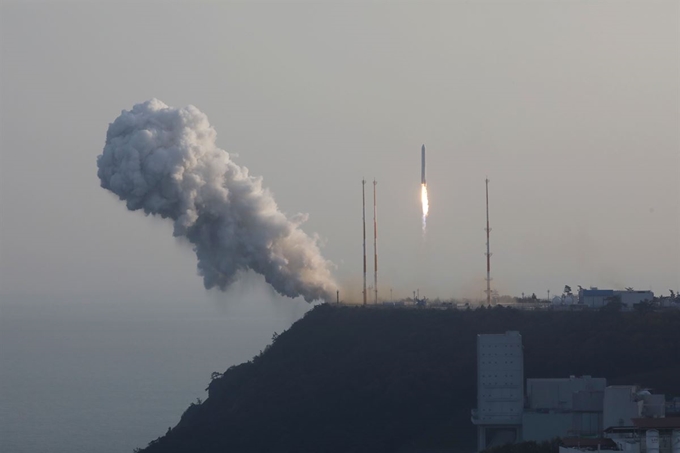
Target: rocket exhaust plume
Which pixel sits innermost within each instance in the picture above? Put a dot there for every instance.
(423, 189)
(425, 203)
(164, 161)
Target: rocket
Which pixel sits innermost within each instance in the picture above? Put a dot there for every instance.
(422, 170)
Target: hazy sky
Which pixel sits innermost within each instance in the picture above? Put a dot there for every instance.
(570, 108)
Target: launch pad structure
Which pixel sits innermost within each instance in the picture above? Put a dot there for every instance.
(423, 182)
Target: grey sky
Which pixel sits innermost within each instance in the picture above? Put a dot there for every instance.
(572, 109)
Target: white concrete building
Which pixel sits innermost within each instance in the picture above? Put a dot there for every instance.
(648, 435)
(561, 393)
(598, 298)
(500, 389)
(630, 298)
(621, 405)
(636, 420)
(567, 407)
(579, 409)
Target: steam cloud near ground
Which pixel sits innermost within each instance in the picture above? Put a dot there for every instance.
(164, 161)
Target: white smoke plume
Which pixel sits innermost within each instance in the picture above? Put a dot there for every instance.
(164, 161)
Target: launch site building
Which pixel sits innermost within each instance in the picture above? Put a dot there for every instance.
(583, 411)
(500, 388)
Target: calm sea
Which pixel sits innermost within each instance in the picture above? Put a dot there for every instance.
(109, 376)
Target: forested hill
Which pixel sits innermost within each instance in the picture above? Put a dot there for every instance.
(346, 379)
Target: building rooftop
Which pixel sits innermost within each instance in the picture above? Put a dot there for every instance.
(598, 292)
(642, 424)
(603, 443)
(664, 422)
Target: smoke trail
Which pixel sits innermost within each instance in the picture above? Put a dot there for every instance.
(164, 161)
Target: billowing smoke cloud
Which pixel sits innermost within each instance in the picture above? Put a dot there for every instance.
(164, 161)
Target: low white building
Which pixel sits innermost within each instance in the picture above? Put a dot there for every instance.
(621, 405)
(648, 435)
(566, 407)
(625, 403)
(598, 298)
(579, 409)
(636, 420)
(630, 298)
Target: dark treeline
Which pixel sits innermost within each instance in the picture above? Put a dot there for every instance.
(346, 379)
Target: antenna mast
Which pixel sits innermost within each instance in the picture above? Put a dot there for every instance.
(375, 242)
(488, 252)
(363, 199)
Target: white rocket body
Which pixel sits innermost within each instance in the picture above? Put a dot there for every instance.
(422, 174)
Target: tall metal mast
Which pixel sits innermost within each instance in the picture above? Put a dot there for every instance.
(363, 199)
(488, 251)
(375, 241)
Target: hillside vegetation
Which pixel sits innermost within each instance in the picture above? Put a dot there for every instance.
(352, 379)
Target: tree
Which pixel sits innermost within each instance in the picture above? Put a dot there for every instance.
(390, 373)
(613, 306)
(644, 307)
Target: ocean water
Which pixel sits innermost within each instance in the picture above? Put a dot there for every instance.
(83, 374)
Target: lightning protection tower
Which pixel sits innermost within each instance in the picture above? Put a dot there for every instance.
(375, 240)
(363, 199)
(488, 250)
